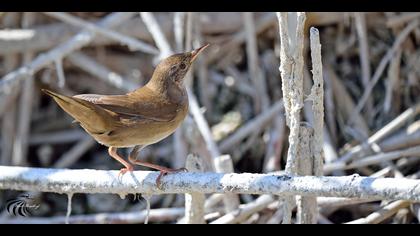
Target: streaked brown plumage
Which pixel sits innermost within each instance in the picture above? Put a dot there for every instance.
(139, 118)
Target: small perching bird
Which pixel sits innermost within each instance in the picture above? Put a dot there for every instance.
(139, 118)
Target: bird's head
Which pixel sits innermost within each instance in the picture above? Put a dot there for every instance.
(172, 70)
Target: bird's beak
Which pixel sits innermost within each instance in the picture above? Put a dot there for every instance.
(195, 52)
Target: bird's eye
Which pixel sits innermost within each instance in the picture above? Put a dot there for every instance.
(182, 66)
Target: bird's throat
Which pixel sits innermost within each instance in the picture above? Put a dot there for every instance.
(169, 90)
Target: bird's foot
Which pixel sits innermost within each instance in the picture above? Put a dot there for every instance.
(167, 171)
(124, 170)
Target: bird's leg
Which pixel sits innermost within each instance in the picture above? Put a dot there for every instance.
(128, 167)
(163, 170)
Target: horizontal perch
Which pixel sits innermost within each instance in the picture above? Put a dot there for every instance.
(100, 181)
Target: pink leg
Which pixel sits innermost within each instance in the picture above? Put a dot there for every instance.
(128, 167)
(163, 170)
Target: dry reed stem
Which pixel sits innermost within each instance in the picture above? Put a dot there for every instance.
(291, 70)
(9, 82)
(307, 208)
(101, 72)
(20, 145)
(157, 33)
(384, 132)
(245, 211)
(361, 29)
(317, 97)
(194, 202)
(383, 214)
(393, 80)
(377, 159)
(401, 19)
(254, 125)
(381, 67)
(261, 100)
(132, 43)
(345, 105)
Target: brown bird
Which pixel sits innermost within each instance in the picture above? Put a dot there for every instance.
(139, 118)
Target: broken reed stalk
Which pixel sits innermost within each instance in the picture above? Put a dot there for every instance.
(291, 70)
(310, 144)
(194, 202)
(224, 164)
(285, 72)
(312, 139)
(307, 208)
(317, 97)
(311, 154)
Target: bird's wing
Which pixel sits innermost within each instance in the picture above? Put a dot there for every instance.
(93, 118)
(140, 108)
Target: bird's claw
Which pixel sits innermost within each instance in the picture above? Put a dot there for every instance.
(165, 172)
(181, 170)
(123, 171)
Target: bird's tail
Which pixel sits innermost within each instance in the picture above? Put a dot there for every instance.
(90, 116)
